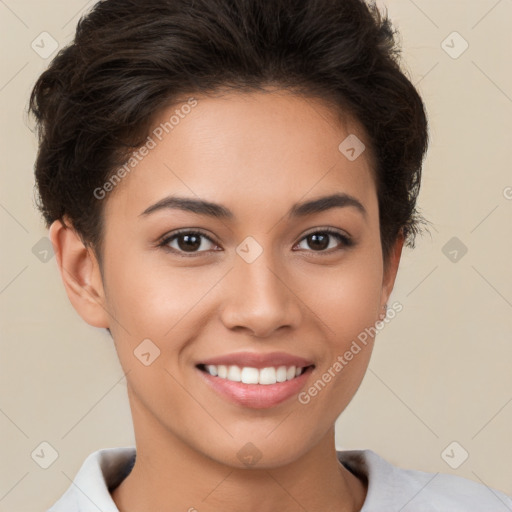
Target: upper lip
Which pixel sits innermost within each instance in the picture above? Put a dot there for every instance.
(258, 360)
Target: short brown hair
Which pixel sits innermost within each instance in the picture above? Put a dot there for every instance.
(132, 58)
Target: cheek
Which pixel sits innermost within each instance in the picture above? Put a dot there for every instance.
(346, 297)
(347, 301)
(150, 299)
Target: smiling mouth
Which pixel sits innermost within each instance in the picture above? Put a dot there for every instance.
(256, 376)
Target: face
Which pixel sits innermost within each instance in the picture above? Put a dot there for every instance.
(251, 278)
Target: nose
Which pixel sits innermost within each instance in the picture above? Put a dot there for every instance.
(258, 298)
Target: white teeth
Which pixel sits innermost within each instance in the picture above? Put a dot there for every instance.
(281, 373)
(234, 374)
(267, 376)
(248, 375)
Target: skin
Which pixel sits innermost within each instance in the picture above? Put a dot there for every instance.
(256, 154)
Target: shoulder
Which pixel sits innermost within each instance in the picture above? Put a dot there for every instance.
(100, 472)
(394, 488)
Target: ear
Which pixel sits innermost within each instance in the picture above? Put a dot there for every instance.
(390, 271)
(80, 274)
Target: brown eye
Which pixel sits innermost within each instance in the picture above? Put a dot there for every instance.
(321, 241)
(188, 242)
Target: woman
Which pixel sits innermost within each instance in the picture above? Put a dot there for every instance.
(228, 186)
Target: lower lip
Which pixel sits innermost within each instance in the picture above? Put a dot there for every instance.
(256, 396)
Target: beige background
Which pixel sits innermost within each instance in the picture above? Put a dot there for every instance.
(441, 369)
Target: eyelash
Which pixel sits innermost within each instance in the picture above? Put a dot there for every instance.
(345, 241)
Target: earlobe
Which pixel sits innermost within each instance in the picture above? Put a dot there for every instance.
(80, 274)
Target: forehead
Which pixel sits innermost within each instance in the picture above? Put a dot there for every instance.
(261, 149)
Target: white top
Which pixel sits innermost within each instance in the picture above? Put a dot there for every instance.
(390, 488)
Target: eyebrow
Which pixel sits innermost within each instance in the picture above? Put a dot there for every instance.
(201, 207)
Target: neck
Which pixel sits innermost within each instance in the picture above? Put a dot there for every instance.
(169, 475)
